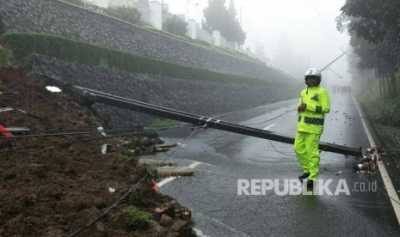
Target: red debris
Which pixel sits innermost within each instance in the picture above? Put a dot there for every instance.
(5, 132)
(155, 187)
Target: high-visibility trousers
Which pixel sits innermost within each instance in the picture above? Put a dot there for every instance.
(306, 146)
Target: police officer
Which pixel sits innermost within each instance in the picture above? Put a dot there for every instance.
(313, 104)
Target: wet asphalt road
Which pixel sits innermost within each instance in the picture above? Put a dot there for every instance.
(225, 157)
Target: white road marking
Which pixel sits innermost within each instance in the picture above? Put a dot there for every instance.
(169, 180)
(194, 165)
(165, 181)
(394, 198)
(7, 109)
(199, 233)
(269, 126)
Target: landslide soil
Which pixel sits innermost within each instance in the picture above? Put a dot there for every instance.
(52, 186)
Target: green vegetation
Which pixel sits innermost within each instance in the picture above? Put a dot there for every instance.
(2, 30)
(135, 218)
(384, 111)
(5, 57)
(24, 45)
(380, 100)
(163, 123)
(126, 154)
(374, 29)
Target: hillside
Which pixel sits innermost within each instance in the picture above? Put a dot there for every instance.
(53, 185)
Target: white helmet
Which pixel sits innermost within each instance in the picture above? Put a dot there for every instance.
(313, 72)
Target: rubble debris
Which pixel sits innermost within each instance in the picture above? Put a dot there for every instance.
(156, 163)
(52, 185)
(174, 171)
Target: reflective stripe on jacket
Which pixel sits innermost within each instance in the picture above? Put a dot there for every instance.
(317, 104)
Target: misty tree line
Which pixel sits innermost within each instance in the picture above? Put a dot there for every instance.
(217, 17)
(172, 24)
(374, 27)
(225, 20)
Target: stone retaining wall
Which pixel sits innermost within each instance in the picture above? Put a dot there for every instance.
(60, 18)
(201, 97)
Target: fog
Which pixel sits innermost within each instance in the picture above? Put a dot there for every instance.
(295, 34)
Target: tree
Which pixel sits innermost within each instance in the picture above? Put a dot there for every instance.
(215, 15)
(232, 8)
(218, 17)
(374, 27)
(128, 14)
(175, 25)
(2, 27)
(372, 19)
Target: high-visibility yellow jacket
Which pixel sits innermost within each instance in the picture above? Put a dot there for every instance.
(317, 104)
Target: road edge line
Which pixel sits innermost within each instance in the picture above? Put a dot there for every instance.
(387, 181)
(199, 233)
(269, 127)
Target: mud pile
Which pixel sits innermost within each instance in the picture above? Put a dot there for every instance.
(54, 185)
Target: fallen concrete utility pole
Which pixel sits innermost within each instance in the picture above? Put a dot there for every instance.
(18, 130)
(164, 168)
(156, 163)
(207, 122)
(164, 172)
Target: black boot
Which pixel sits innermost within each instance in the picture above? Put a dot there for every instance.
(303, 176)
(310, 185)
